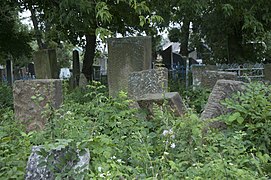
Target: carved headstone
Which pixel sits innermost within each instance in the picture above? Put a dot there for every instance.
(126, 55)
(36, 171)
(33, 99)
(223, 89)
(173, 100)
(45, 63)
(147, 82)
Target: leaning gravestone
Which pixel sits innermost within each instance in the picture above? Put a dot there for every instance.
(126, 55)
(172, 99)
(33, 100)
(223, 89)
(147, 82)
(36, 171)
(45, 63)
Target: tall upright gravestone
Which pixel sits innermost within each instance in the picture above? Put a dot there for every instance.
(75, 68)
(9, 70)
(45, 63)
(126, 55)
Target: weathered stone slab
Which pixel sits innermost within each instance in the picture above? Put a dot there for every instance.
(45, 63)
(83, 82)
(147, 82)
(33, 99)
(126, 55)
(204, 77)
(37, 171)
(267, 72)
(173, 99)
(223, 89)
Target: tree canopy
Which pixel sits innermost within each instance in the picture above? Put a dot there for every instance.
(14, 37)
(232, 30)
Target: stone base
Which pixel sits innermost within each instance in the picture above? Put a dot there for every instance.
(173, 100)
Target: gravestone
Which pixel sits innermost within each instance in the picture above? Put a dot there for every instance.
(126, 55)
(147, 82)
(75, 68)
(9, 70)
(223, 89)
(267, 72)
(45, 64)
(35, 171)
(173, 102)
(206, 76)
(33, 100)
(83, 82)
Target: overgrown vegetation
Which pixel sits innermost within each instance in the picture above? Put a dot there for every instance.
(123, 145)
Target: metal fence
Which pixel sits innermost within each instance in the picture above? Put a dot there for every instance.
(251, 71)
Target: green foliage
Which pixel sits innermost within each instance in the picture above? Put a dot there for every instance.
(124, 145)
(194, 97)
(14, 36)
(174, 35)
(6, 98)
(252, 114)
(15, 147)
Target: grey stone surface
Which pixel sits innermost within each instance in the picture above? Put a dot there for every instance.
(37, 171)
(126, 55)
(32, 100)
(83, 82)
(45, 63)
(205, 77)
(267, 72)
(223, 89)
(173, 102)
(147, 82)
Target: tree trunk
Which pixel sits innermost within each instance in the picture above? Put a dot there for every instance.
(87, 69)
(185, 37)
(36, 28)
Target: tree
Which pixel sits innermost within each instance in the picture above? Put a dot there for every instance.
(81, 21)
(230, 27)
(14, 37)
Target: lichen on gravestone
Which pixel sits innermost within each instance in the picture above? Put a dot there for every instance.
(40, 167)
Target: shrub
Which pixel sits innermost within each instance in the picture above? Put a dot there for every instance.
(6, 98)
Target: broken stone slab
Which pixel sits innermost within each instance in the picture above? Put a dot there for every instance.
(223, 89)
(173, 102)
(37, 170)
(147, 82)
(33, 100)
